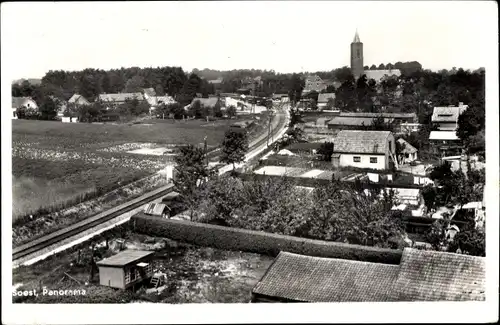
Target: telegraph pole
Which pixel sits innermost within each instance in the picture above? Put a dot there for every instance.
(205, 147)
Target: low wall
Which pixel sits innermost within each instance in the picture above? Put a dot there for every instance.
(236, 239)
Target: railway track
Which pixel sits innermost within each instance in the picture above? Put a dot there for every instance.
(60, 235)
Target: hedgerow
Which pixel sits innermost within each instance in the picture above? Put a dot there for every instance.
(227, 238)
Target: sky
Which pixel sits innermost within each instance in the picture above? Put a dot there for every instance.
(285, 36)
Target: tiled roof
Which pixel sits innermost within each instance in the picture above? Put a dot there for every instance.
(431, 276)
(323, 98)
(121, 97)
(447, 114)
(315, 279)
(420, 276)
(377, 75)
(407, 148)
(125, 257)
(354, 141)
(76, 98)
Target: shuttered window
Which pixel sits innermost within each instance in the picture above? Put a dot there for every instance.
(373, 160)
(356, 159)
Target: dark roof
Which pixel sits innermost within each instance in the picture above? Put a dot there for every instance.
(355, 141)
(385, 115)
(354, 121)
(316, 279)
(431, 276)
(124, 258)
(304, 146)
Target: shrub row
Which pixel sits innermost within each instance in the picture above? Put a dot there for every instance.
(257, 242)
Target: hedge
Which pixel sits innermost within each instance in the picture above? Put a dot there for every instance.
(235, 239)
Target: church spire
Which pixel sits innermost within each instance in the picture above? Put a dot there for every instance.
(356, 37)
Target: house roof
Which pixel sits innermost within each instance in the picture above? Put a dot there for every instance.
(207, 102)
(20, 101)
(157, 100)
(385, 115)
(354, 121)
(316, 279)
(443, 135)
(447, 114)
(323, 98)
(354, 141)
(420, 276)
(121, 97)
(304, 146)
(377, 75)
(78, 98)
(431, 276)
(216, 81)
(149, 91)
(124, 257)
(407, 147)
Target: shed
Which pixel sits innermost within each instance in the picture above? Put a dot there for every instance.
(157, 209)
(125, 269)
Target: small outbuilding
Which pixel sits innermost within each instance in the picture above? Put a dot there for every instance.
(126, 269)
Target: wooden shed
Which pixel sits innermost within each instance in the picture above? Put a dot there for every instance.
(126, 269)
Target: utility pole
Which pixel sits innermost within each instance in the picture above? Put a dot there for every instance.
(205, 147)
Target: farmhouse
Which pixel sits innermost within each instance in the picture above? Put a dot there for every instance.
(78, 100)
(446, 142)
(121, 98)
(304, 148)
(314, 83)
(408, 152)
(420, 276)
(18, 102)
(126, 269)
(206, 102)
(339, 123)
(148, 92)
(364, 149)
(324, 98)
(446, 118)
(398, 117)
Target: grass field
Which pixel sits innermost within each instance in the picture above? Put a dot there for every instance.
(54, 163)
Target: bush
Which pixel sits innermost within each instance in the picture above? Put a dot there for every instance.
(256, 241)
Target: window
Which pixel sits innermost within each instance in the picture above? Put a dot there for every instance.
(133, 274)
(373, 160)
(356, 159)
(357, 53)
(390, 146)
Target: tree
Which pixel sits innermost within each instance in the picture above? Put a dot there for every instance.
(326, 151)
(196, 109)
(346, 97)
(134, 84)
(48, 108)
(234, 147)
(470, 241)
(231, 111)
(330, 105)
(373, 67)
(191, 172)
(295, 88)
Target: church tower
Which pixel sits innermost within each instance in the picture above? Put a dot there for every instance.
(357, 57)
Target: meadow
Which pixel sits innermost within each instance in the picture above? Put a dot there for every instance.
(57, 164)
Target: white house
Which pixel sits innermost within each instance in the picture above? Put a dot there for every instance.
(364, 149)
(446, 118)
(408, 152)
(324, 98)
(18, 102)
(78, 99)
